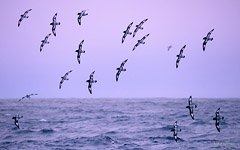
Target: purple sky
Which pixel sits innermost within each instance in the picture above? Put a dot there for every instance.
(151, 68)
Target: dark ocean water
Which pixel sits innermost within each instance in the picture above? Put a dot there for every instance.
(124, 124)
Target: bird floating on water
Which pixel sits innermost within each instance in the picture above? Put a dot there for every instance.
(120, 69)
(139, 26)
(206, 39)
(23, 16)
(180, 56)
(54, 24)
(63, 78)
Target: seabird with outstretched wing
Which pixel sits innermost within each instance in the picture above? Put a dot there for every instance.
(217, 119)
(180, 56)
(63, 78)
(28, 96)
(190, 106)
(45, 41)
(126, 32)
(206, 39)
(54, 24)
(23, 16)
(139, 26)
(120, 69)
(140, 42)
(90, 82)
(175, 131)
(79, 51)
(80, 15)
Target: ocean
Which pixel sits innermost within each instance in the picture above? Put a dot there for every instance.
(118, 124)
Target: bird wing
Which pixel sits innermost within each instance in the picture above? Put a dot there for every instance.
(21, 98)
(204, 45)
(142, 22)
(66, 74)
(135, 46)
(28, 11)
(123, 63)
(54, 18)
(60, 84)
(144, 37)
(210, 32)
(124, 36)
(78, 58)
(181, 51)
(91, 75)
(41, 47)
(135, 31)
(80, 45)
(79, 19)
(19, 21)
(33, 94)
(117, 75)
(48, 36)
(177, 62)
(90, 87)
(129, 26)
(54, 29)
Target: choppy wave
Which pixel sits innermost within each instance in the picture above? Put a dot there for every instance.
(132, 124)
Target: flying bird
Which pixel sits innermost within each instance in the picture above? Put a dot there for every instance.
(217, 119)
(80, 15)
(206, 39)
(190, 106)
(120, 69)
(16, 118)
(90, 82)
(169, 47)
(28, 96)
(126, 32)
(180, 56)
(54, 24)
(63, 78)
(175, 131)
(140, 42)
(23, 16)
(45, 41)
(139, 26)
(79, 51)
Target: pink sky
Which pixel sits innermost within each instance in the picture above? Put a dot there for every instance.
(151, 68)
